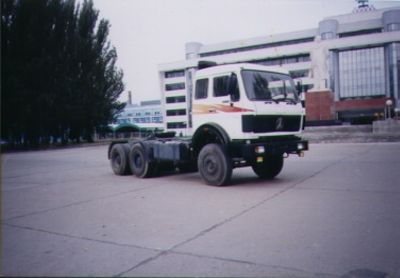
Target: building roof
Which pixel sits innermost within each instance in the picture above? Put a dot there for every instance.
(291, 41)
(237, 67)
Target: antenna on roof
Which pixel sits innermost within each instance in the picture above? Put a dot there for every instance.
(363, 6)
(362, 3)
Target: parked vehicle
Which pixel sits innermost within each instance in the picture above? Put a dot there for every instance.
(241, 115)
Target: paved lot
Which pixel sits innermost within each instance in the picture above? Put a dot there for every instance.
(336, 210)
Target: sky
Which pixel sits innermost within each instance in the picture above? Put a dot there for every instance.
(147, 33)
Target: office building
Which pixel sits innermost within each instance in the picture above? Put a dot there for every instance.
(349, 65)
(146, 115)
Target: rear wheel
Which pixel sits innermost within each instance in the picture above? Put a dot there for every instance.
(214, 165)
(140, 165)
(119, 159)
(270, 167)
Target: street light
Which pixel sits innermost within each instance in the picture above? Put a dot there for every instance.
(389, 103)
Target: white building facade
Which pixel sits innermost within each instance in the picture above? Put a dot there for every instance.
(147, 114)
(354, 56)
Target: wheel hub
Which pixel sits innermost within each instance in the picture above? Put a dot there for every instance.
(138, 161)
(117, 160)
(211, 165)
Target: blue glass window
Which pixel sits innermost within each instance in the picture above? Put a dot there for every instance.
(362, 73)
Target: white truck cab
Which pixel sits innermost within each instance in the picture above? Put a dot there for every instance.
(249, 101)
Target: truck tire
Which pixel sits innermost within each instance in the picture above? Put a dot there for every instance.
(214, 165)
(140, 165)
(269, 168)
(119, 159)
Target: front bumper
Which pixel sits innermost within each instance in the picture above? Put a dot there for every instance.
(252, 151)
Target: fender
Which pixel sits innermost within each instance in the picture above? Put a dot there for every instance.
(209, 133)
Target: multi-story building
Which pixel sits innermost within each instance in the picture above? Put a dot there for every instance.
(146, 115)
(350, 62)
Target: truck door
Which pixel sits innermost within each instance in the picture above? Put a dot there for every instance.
(214, 103)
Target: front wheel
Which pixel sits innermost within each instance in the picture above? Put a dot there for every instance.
(214, 165)
(270, 167)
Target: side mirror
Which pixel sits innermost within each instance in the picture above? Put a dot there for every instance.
(233, 87)
(299, 87)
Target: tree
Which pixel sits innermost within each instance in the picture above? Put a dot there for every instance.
(59, 74)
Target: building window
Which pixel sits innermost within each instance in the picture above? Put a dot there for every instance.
(298, 73)
(175, 73)
(254, 47)
(174, 86)
(201, 88)
(393, 27)
(221, 86)
(156, 119)
(176, 112)
(362, 73)
(303, 58)
(359, 33)
(175, 99)
(123, 121)
(176, 125)
(327, 36)
(284, 60)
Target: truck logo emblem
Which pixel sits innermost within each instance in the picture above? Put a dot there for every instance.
(279, 123)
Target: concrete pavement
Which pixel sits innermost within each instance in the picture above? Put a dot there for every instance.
(335, 211)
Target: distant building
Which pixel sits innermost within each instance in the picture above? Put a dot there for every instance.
(350, 62)
(146, 115)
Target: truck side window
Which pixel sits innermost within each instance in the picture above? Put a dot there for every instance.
(221, 86)
(201, 88)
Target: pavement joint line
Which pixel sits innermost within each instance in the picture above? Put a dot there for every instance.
(162, 253)
(142, 263)
(171, 250)
(80, 237)
(238, 261)
(78, 203)
(223, 222)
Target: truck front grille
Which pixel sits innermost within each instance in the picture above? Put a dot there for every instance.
(270, 123)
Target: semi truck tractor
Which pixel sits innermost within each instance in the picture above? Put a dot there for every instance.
(240, 115)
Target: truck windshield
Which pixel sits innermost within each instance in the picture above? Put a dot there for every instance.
(263, 85)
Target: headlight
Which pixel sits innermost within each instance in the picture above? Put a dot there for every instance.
(260, 149)
(300, 146)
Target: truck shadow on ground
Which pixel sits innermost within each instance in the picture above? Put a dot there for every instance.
(238, 179)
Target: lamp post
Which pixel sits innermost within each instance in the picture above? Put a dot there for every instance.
(389, 103)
